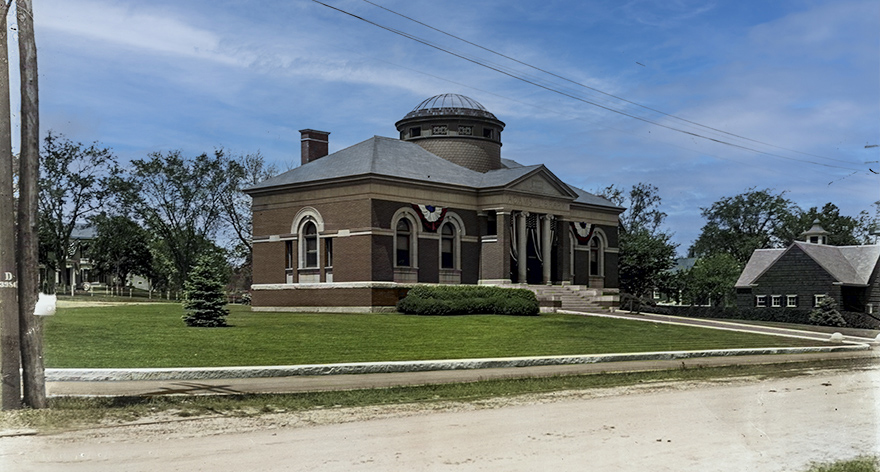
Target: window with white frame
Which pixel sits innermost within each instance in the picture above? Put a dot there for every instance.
(309, 246)
(403, 243)
(761, 301)
(595, 256)
(328, 253)
(288, 254)
(791, 301)
(776, 301)
(447, 246)
(817, 299)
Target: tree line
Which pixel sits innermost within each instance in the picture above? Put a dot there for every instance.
(155, 217)
(159, 215)
(734, 227)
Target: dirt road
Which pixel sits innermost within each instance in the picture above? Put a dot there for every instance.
(771, 425)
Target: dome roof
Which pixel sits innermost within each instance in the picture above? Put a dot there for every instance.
(449, 104)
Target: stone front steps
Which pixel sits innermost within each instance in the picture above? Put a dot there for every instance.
(578, 298)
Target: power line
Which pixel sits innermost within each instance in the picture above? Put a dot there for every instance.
(557, 112)
(595, 89)
(498, 69)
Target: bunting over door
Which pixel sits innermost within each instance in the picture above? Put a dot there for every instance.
(431, 216)
(583, 232)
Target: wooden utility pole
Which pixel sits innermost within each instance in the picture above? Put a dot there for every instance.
(31, 327)
(10, 351)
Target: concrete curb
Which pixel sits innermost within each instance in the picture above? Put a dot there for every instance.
(95, 375)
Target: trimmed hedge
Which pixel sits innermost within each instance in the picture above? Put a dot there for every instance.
(781, 315)
(447, 300)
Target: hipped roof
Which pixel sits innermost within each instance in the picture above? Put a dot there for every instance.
(848, 265)
(401, 159)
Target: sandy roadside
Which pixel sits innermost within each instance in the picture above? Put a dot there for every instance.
(724, 425)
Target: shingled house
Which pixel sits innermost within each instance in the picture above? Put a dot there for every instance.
(801, 275)
(351, 231)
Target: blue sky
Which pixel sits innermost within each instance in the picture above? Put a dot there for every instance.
(801, 76)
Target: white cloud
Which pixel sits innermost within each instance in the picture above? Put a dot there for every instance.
(128, 26)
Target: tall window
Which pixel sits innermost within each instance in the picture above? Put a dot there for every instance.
(288, 254)
(310, 245)
(403, 238)
(491, 223)
(595, 256)
(447, 246)
(328, 253)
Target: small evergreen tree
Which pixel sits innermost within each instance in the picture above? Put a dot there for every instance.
(826, 314)
(204, 297)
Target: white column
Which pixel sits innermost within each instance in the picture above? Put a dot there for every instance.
(521, 247)
(545, 246)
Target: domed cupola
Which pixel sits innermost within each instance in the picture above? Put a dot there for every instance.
(456, 128)
(816, 234)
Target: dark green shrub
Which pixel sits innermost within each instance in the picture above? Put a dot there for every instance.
(781, 315)
(826, 314)
(860, 320)
(445, 300)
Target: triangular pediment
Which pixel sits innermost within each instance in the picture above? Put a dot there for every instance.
(542, 182)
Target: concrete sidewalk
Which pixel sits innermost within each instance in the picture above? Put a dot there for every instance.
(729, 326)
(311, 383)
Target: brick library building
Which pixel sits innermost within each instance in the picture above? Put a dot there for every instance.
(352, 231)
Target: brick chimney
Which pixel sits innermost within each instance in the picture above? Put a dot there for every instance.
(314, 144)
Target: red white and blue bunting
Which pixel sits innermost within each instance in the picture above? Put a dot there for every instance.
(583, 232)
(431, 216)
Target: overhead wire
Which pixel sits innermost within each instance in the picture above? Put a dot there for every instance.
(580, 84)
(535, 82)
(557, 112)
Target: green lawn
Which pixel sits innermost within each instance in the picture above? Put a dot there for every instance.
(153, 335)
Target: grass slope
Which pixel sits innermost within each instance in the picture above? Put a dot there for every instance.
(153, 335)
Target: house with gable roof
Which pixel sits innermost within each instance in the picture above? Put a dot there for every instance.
(806, 272)
(353, 230)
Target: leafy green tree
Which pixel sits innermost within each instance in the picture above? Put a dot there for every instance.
(243, 171)
(121, 248)
(74, 184)
(843, 230)
(646, 253)
(643, 260)
(642, 204)
(204, 296)
(740, 224)
(712, 280)
(179, 200)
(672, 284)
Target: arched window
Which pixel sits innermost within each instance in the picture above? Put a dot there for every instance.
(595, 256)
(309, 245)
(403, 243)
(447, 246)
